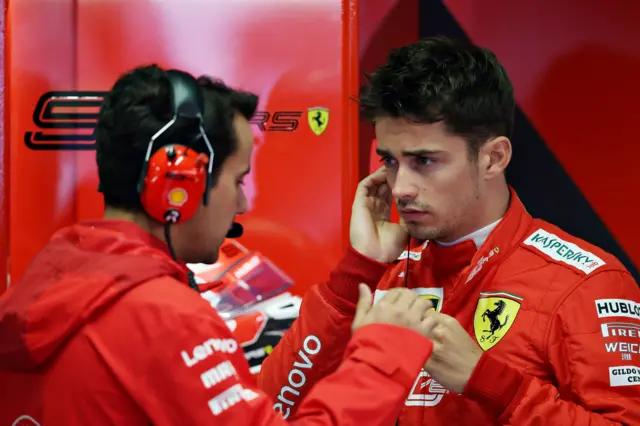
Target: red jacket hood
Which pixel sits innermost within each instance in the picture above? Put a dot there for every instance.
(83, 270)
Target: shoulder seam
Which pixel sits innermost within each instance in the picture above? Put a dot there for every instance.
(569, 292)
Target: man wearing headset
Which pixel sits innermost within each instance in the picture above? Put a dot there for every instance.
(105, 327)
(531, 325)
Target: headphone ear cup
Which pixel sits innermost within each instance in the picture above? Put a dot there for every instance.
(175, 184)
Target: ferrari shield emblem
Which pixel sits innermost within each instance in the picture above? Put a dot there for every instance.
(435, 301)
(495, 313)
(318, 118)
(433, 294)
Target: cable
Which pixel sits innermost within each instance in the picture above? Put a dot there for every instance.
(190, 275)
(167, 237)
(406, 284)
(406, 269)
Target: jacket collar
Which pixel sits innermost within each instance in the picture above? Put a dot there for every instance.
(133, 232)
(513, 227)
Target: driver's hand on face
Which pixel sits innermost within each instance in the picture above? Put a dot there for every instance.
(371, 232)
(400, 306)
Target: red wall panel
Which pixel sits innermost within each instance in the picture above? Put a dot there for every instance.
(575, 67)
(40, 51)
(4, 219)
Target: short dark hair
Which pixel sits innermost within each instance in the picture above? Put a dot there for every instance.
(136, 107)
(441, 79)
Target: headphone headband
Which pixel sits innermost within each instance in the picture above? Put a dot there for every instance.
(187, 99)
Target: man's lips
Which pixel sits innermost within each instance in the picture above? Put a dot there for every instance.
(412, 215)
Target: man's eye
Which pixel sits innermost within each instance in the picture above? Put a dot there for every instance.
(240, 182)
(387, 161)
(425, 161)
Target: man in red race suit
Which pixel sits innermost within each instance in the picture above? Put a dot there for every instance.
(531, 325)
(105, 328)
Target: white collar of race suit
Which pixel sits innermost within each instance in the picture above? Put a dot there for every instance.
(478, 236)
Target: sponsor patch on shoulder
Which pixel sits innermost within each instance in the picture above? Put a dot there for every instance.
(608, 308)
(624, 375)
(564, 251)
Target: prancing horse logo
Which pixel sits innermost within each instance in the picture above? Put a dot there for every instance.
(494, 316)
(318, 118)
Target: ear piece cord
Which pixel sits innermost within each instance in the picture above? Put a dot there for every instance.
(406, 283)
(190, 275)
(406, 267)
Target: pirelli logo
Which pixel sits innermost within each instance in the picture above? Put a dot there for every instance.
(620, 329)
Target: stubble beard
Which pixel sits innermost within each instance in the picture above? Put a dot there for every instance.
(445, 230)
(424, 233)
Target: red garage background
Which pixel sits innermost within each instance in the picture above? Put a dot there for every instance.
(574, 64)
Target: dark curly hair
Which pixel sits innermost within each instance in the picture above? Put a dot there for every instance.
(137, 106)
(441, 79)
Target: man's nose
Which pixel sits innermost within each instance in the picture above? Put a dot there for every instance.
(403, 185)
(243, 204)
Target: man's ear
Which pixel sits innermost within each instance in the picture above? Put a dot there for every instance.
(495, 155)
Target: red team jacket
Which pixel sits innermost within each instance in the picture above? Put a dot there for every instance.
(558, 319)
(104, 330)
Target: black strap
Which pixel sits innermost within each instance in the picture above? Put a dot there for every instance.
(192, 281)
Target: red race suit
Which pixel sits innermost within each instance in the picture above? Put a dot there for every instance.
(104, 330)
(558, 320)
